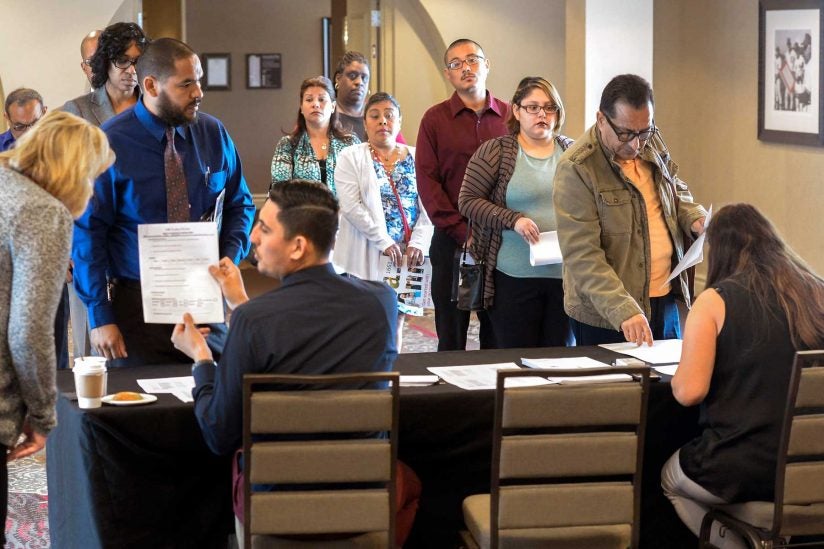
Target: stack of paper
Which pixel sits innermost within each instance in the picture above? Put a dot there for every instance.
(579, 362)
(418, 381)
(664, 351)
(482, 376)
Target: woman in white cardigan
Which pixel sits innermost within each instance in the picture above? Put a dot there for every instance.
(381, 212)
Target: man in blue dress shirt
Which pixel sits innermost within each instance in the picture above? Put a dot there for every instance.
(134, 191)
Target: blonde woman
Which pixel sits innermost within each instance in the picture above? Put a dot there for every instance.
(47, 181)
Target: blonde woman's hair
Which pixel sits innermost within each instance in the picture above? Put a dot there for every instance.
(63, 154)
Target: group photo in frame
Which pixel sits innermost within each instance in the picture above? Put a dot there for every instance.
(790, 82)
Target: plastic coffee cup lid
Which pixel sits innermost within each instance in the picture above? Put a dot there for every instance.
(90, 365)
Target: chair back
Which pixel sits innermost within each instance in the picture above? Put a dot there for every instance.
(799, 479)
(324, 448)
(568, 455)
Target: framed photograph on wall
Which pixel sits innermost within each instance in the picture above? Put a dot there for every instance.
(217, 71)
(263, 71)
(790, 76)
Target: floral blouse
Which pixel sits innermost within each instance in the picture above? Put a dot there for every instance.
(300, 162)
(404, 177)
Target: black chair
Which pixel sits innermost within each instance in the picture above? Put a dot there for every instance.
(319, 448)
(798, 509)
(566, 463)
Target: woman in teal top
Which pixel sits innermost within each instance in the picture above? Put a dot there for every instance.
(311, 150)
(507, 196)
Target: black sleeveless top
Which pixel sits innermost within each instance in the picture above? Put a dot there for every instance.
(735, 457)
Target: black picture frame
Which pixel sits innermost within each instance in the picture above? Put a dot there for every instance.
(263, 71)
(790, 75)
(217, 71)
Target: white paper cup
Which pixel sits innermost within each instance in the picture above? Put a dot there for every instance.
(90, 377)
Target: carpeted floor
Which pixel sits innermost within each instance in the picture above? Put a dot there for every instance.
(27, 524)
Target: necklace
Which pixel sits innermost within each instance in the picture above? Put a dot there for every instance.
(323, 147)
(386, 160)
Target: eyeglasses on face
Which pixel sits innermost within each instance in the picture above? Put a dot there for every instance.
(535, 109)
(471, 61)
(20, 127)
(124, 62)
(625, 136)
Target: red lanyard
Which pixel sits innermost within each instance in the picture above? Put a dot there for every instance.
(407, 232)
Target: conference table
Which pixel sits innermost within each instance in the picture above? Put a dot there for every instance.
(141, 476)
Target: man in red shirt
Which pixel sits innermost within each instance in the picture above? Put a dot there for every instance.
(450, 133)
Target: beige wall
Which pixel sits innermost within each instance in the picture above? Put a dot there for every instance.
(520, 38)
(40, 44)
(706, 86)
(256, 119)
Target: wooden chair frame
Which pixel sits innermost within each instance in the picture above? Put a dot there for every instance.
(640, 375)
(758, 537)
(256, 383)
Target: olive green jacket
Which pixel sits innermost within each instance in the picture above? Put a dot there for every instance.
(604, 231)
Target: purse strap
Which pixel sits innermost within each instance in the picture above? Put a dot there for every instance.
(407, 231)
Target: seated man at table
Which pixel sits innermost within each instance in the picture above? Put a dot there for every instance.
(316, 322)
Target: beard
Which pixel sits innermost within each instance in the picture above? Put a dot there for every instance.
(173, 115)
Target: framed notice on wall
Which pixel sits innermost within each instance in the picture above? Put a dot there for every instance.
(790, 76)
(217, 71)
(263, 70)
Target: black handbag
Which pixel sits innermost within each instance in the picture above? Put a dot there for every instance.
(468, 281)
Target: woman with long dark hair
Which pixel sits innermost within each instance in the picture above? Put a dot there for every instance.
(311, 150)
(761, 305)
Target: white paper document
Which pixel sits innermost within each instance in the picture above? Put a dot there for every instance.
(663, 351)
(174, 272)
(482, 376)
(547, 251)
(695, 254)
(418, 381)
(668, 370)
(181, 387)
(578, 362)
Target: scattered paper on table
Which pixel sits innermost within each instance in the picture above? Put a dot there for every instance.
(181, 387)
(694, 255)
(663, 351)
(174, 272)
(547, 251)
(668, 370)
(482, 376)
(578, 362)
(418, 381)
(570, 362)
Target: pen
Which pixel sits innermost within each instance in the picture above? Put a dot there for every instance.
(206, 179)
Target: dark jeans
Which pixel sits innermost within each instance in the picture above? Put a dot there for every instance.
(450, 322)
(150, 343)
(529, 312)
(663, 322)
(61, 331)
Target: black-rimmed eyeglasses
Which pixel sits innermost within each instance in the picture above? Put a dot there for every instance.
(471, 61)
(535, 109)
(21, 127)
(124, 62)
(625, 136)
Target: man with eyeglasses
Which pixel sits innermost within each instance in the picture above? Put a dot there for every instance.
(23, 108)
(87, 48)
(449, 134)
(622, 215)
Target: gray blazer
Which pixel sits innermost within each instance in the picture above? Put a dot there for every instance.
(95, 107)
